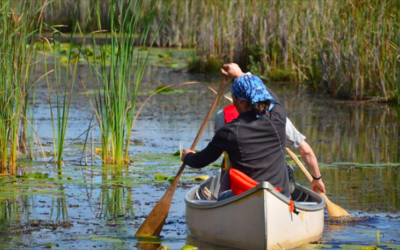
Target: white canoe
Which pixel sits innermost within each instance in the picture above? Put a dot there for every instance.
(259, 218)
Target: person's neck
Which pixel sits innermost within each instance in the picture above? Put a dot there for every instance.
(243, 107)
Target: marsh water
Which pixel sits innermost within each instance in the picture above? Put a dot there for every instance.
(90, 206)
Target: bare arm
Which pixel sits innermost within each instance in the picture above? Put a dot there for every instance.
(308, 156)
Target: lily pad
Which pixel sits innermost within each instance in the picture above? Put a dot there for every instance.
(160, 177)
(393, 246)
(201, 178)
(106, 239)
(164, 89)
(36, 175)
(189, 247)
(317, 246)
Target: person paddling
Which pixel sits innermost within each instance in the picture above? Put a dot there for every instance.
(294, 139)
(255, 141)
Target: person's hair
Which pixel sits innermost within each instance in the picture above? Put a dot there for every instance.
(261, 107)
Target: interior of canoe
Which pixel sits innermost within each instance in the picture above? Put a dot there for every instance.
(206, 192)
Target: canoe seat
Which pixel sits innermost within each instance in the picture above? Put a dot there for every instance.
(204, 202)
(307, 203)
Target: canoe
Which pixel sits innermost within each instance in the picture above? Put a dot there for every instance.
(259, 218)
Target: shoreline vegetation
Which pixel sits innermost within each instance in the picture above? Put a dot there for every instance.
(349, 49)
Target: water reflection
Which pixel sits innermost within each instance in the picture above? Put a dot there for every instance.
(338, 131)
(116, 198)
(366, 189)
(344, 131)
(59, 205)
(345, 136)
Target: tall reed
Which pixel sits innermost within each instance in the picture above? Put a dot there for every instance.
(19, 21)
(348, 48)
(63, 83)
(119, 67)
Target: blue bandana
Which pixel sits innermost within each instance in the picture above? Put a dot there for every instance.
(250, 88)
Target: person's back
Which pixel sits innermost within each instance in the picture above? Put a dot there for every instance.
(255, 141)
(256, 146)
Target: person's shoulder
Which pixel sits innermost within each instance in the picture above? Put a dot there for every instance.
(228, 126)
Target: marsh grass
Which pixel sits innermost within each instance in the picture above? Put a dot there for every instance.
(119, 67)
(349, 48)
(19, 21)
(63, 84)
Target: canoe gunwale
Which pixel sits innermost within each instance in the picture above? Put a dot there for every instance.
(261, 186)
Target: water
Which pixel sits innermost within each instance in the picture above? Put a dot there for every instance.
(91, 206)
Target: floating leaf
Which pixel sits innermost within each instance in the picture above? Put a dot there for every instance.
(175, 66)
(316, 246)
(64, 61)
(106, 239)
(370, 248)
(49, 245)
(393, 246)
(171, 179)
(32, 176)
(189, 247)
(201, 178)
(358, 247)
(177, 153)
(160, 177)
(164, 89)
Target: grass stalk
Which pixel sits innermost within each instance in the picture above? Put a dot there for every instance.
(19, 21)
(120, 67)
(63, 91)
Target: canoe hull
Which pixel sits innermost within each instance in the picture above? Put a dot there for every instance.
(257, 219)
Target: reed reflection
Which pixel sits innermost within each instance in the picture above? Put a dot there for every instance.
(115, 198)
(342, 131)
(367, 189)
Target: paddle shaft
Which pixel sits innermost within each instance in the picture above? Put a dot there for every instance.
(154, 222)
(333, 209)
(301, 166)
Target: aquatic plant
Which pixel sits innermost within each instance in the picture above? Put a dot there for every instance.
(19, 21)
(63, 83)
(348, 48)
(119, 66)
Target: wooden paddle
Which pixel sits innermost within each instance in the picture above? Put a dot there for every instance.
(154, 222)
(333, 209)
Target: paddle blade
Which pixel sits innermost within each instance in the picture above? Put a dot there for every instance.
(154, 222)
(334, 210)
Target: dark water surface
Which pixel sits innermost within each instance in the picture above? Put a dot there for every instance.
(89, 207)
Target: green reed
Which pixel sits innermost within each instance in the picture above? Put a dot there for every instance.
(19, 21)
(348, 48)
(63, 84)
(119, 65)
